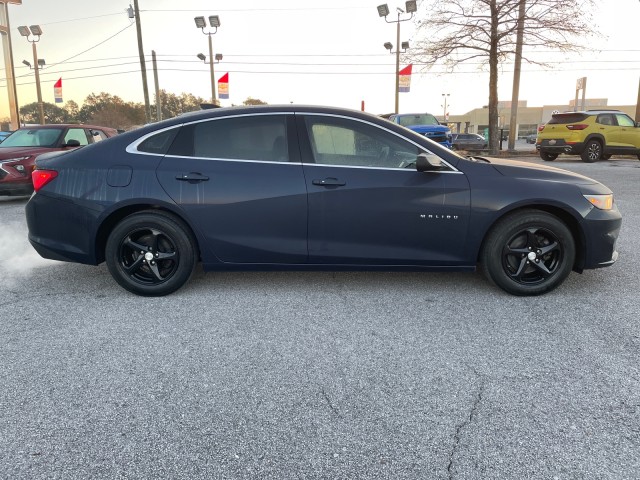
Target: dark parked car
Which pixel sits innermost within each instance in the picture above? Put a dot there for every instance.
(299, 187)
(19, 150)
(531, 138)
(468, 141)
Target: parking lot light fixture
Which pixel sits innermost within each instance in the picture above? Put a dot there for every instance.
(214, 21)
(383, 11)
(388, 45)
(33, 34)
(218, 57)
(202, 57)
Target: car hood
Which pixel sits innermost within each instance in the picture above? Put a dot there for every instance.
(517, 169)
(429, 128)
(13, 152)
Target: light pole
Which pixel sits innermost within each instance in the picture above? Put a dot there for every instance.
(214, 21)
(445, 116)
(383, 11)
(32, 35)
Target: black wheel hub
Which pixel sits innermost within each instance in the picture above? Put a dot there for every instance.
(148, 256)
(532, 255)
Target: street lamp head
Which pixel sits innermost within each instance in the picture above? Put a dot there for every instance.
(26, 63)
(218, 57)
(388, 45)
(24, 30)
(202, 57)
(411, 6)
(405, 45)
(214, 21)
(383, 10)
(200, 22)
(36, 30)
(41, 62)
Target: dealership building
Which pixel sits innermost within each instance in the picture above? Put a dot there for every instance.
(528, 119)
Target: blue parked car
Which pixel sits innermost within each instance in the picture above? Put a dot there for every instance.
(424, 124)
(300, 187)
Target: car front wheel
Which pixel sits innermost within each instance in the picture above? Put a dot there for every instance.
(548, 157)
(151, 253)
(592, 151)
(528, 252)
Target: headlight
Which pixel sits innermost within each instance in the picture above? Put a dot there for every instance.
(603, 202)
(17, 159)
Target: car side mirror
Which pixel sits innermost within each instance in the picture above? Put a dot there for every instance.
(428, 162)
(72, 143)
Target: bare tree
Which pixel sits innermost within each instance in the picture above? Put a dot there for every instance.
(453, 32)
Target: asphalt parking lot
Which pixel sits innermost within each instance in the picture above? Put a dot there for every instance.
(321, 375)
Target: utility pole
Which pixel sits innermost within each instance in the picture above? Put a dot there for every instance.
(638, 105)
(5, 35)
(157, 85)
(513, 122)
(143, 67)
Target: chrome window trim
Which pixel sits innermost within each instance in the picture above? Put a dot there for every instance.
(392, 169)
(133, 147)
(228, 159)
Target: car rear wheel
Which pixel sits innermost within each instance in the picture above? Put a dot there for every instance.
(592, 151)
(528, 252)
(548, 157)
(151, 253)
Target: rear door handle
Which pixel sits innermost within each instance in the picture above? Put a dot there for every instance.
(192, 177)
(329, 182)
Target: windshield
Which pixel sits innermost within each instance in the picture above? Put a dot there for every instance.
(417, 119)
(33, 137)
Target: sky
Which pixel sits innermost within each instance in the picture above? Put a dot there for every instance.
(292, 51)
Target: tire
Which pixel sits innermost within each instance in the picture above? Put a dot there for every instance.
(528, 252)
(592, 151)
(151, 253)
(548, 157)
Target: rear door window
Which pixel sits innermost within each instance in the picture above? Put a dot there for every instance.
(78, 134)
(256, 137)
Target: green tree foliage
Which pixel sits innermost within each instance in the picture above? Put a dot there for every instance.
(30, 113)
(109, 110)
(253, 101)
(173, 105)
(72, 109)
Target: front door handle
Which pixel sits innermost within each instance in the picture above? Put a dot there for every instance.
(329, 182)
(192, 177)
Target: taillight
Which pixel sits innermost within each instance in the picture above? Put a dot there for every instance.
(577, 126)
(42, 177)
(541, 128)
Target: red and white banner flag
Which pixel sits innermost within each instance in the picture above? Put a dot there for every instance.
(57, 91)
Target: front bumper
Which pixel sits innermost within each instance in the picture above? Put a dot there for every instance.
(601, 229)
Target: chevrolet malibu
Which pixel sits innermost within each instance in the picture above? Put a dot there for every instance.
(301, 187)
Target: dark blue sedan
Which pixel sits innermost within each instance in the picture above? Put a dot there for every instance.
(299, 187)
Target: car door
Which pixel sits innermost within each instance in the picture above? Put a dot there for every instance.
(629, 134)
(369, 205)
(240, 181)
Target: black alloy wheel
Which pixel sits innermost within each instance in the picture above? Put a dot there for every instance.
(592, 151)
(548, 157)
(151, 253)
(528, 253)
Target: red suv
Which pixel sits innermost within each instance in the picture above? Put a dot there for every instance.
(19, 150)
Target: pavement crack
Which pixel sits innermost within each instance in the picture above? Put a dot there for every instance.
(470, 418)
(328, 400)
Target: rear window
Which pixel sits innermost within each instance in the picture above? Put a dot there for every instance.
(564, 118)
